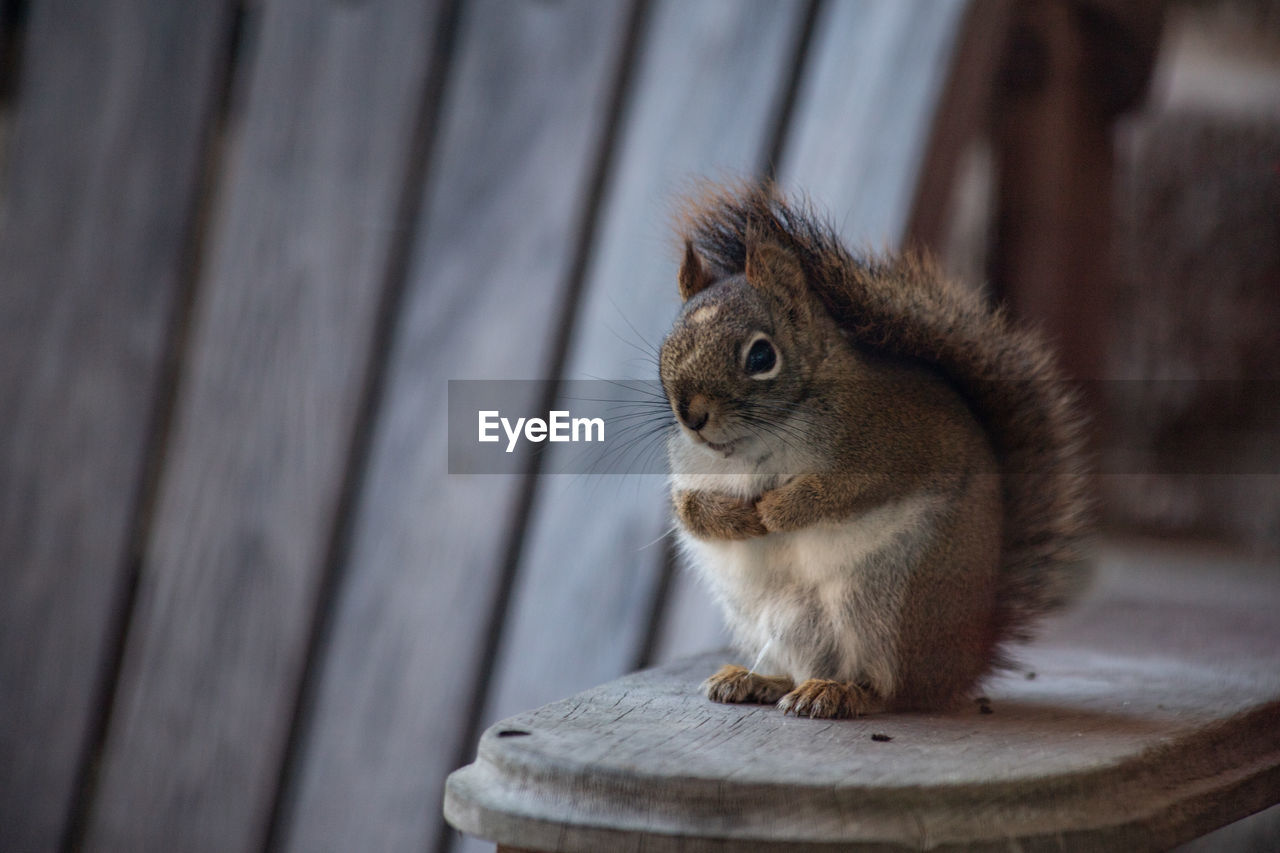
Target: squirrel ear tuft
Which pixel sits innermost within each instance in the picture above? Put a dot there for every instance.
(693, 277)
(771, 267)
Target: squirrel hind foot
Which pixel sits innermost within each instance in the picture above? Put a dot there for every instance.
(822, 699)
(737, 684)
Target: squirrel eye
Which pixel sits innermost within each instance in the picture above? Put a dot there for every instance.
(761, 359)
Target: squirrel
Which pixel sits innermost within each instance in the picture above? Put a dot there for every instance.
(880, 477)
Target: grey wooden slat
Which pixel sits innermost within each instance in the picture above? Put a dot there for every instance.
(523, 121)
(1153, 716)
(863, 116)
(856, 146)
(710, 84)
(281, 341)
(102, 169)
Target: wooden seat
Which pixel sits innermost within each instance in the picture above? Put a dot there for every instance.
(1146, 717)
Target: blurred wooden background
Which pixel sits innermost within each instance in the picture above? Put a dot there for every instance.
(244, 245)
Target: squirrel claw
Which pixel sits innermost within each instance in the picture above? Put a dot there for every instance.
(736, 684)
(819, 698)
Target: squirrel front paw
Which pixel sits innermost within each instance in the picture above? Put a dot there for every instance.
(791, 506)
(710, 515)
(738, 684)
(828, 700)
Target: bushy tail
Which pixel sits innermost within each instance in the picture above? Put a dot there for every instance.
(904, 306)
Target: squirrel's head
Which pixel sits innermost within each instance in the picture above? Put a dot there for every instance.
(745, 351)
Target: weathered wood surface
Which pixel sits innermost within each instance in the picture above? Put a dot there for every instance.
(709, 90)
(284, 327)
(102, 155)
(524, 120)
(856, 143)
(1153, 716)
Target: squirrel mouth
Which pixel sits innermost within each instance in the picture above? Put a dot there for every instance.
(725, 449)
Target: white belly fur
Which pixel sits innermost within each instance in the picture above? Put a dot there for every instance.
(795, 596)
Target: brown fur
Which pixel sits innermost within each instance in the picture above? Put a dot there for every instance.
(922, 389)
(830, 700)
(711, 515)
(733, 683)
(905, 307)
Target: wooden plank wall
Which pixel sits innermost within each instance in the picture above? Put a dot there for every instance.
(286, 322)
(510, 194)
(102, 167)
(242, 248)
(707, 96)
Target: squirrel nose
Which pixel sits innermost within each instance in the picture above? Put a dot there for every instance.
(694, 413)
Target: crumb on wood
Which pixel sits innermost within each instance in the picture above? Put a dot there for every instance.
(1031, 676)
(880, 736)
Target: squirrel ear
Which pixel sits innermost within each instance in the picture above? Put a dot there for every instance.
(693, 277)
(771, 267)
